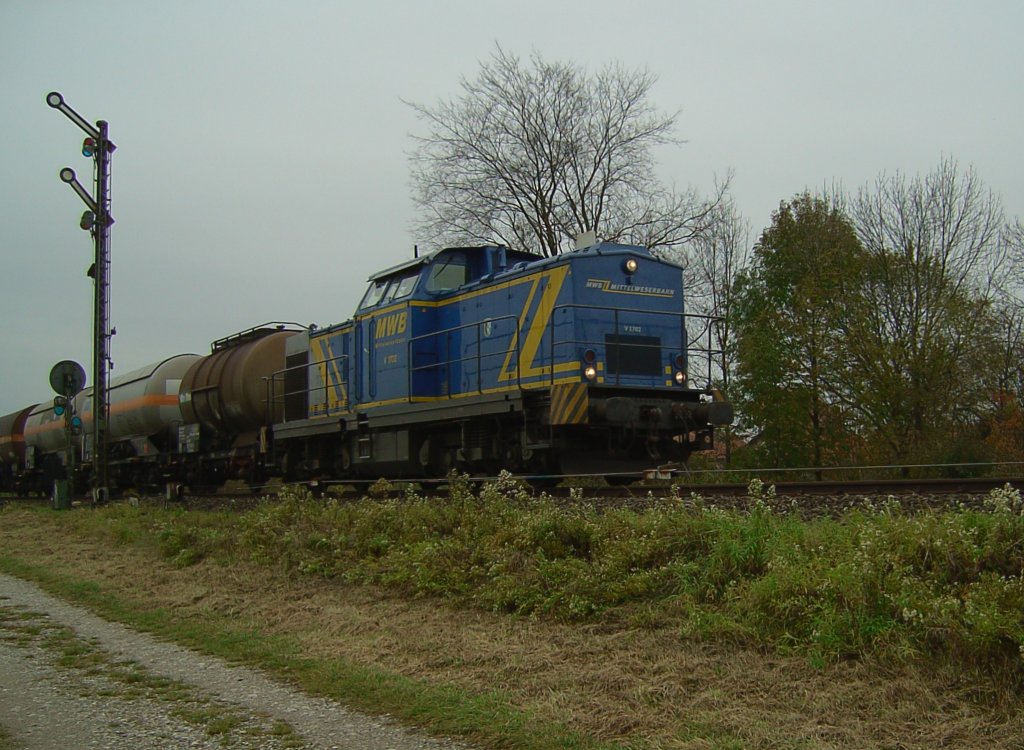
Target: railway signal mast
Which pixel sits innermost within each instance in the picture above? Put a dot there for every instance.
(97, 220)
(67, 378)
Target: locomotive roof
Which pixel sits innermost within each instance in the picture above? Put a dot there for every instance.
(401, 267)
(518, 255)
(513, 257)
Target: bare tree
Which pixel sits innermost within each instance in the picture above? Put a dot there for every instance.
(947, 225)
(1008, 370)
(712, 263)
(532, 156)
(936, 253)
(1009, 312)
(1013, 241)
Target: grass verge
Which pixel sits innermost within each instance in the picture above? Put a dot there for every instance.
(945, 586)
(487, 718)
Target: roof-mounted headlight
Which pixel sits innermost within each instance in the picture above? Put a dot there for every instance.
(630, 265)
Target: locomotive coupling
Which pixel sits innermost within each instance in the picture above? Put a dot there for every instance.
(714, 412)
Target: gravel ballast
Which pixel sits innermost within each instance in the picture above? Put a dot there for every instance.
(44, 703)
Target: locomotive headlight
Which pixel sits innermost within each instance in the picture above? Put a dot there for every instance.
(680, 377)
(590, 372)
(630, 265)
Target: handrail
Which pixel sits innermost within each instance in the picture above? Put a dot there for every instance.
(478, 357)
(306, 390)
(695, 354)
(692, 353)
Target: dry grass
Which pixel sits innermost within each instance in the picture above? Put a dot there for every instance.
(648, 687)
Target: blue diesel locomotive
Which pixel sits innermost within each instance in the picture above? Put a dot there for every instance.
(485, 358)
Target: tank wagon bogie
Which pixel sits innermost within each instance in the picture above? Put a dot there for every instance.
(476, 359)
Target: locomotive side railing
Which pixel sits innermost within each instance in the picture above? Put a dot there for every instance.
(305, 394)
(712, 357)
(458, 356)
(699, 354)
(445, 365)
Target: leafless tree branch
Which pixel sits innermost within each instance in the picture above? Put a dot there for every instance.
(533, 155)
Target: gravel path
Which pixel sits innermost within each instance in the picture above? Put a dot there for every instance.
(70, 679)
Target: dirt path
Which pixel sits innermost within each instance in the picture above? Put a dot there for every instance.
(50, 698)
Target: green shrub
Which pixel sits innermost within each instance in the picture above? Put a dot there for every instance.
(875, 581)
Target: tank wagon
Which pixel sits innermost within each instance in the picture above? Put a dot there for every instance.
(229, 400)
(12, 446)
(142, 428)
(475, 358)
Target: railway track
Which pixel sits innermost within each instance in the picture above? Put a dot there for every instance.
(807, 498)
(592, 486)
(811, 497)
(960, 486)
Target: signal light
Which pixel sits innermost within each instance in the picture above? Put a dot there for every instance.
(59, 405)
(89, 147)
(88, 220)
(76, 425)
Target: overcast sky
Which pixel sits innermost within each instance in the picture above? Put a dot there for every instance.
(261, 170)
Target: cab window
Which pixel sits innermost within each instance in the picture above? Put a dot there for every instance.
(401, 288)
(449, 272)
(374, 293)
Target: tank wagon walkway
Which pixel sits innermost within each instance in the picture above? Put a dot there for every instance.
(43, 705)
